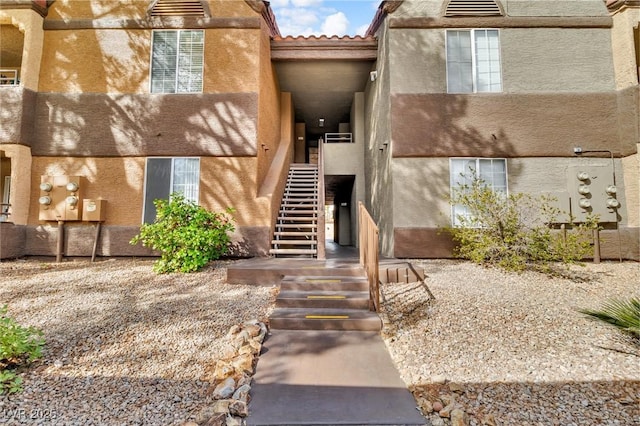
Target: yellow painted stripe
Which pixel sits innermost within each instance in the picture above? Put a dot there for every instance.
(327, 316)
(327, 297)
(323, 281)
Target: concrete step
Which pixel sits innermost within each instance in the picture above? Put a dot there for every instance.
(323, 299)
(296, 225)
(324, 319)
(293, 251)
(324, 283)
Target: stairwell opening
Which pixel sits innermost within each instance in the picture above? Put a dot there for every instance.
(340, 204)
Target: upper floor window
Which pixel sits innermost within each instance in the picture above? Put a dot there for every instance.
(177, 61)
(473, 61)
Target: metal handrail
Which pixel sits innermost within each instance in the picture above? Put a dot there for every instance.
(338, 137)
(8, 77)
(369, 254)
(321, 252)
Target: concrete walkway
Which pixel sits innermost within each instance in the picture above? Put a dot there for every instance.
(329, 378)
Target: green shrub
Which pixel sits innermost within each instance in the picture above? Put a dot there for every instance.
(512, 231)
(625, 315)
(187, 235)
(18, 346)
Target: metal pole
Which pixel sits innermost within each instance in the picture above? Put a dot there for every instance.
(596, 245)
(60, 241)
(95, 242)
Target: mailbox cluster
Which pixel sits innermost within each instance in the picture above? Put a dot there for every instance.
(61, 200)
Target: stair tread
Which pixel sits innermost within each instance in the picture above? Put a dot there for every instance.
(295, 234)
(323, 278)
(293, 251)
(301, 294)
(295, 242)
(296, 225)
(303, 313)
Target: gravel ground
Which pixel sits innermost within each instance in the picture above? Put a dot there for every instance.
(127, 346)
(516, 344)
(124, 346)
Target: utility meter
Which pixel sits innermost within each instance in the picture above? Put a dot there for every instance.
(592, 193)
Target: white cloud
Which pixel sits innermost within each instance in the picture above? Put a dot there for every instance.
(297, 21)
(279, 3)
(361, 30)
(336, 24)
(306, 3)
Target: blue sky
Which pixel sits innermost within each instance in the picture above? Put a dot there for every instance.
(316, 17)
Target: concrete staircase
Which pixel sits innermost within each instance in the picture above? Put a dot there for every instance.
(296, 230)
(324, 303)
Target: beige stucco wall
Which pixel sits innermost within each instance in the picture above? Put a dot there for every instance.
(420, 192)
(134, 9)
(631, 173)
(120, 181)
(378, 174)
(524, 8)
(533, 60)
(29, 23)
(269, 125)
(224, 182)
(624, 57)
(421, 186)
(537, 59)
(21, 161)
(118, 61)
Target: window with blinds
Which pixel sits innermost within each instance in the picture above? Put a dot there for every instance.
(473, 61)
(177, 61)
(491, 171)
(165, 176)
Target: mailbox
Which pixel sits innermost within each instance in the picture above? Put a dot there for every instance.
(93, 210)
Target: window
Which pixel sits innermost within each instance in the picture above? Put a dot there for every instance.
(177, 61)
(167, 175)
(473, 61)
(493, 172)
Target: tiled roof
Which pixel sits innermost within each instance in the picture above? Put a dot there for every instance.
(323, 38)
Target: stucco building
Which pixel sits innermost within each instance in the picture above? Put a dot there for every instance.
(132, 100)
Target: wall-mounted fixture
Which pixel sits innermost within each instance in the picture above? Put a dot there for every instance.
(373, 75)
(60, 198)
(321, 122)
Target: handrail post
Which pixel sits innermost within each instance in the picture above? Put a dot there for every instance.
(321, 252)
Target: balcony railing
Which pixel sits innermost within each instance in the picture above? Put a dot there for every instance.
(338, 137)
(9, 77)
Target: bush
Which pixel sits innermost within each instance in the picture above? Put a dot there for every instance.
(18, 346)
(187, 235)
(512, 231)
(625, 315)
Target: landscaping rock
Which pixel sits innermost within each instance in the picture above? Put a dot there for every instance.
(459, 418)
(225, 389)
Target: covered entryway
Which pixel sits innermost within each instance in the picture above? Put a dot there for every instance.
(327, 78)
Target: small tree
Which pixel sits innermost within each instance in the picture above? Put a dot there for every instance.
(186, 235)
(512, 231)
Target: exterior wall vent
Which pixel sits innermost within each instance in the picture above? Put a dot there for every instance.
(177, 8)
(473, 8)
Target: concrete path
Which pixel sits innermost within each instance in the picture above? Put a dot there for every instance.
(329, 378)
